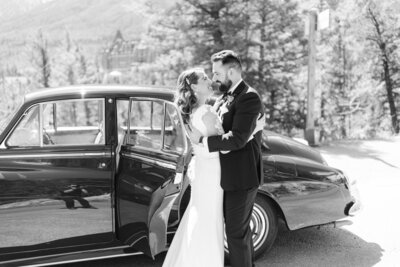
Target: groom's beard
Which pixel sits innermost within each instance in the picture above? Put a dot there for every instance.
(225, 86)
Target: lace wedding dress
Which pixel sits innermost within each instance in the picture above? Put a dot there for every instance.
(199, 240)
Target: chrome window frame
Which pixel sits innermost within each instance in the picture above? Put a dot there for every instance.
(182, 128)
(162, 150)
(3, 145)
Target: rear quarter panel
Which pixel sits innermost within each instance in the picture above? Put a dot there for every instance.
(309, 193)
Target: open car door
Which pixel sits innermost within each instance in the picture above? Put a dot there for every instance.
(150, 173)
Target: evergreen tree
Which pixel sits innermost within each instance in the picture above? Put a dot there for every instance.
(277, 52)
(381, 29)
(266, 34)
(41, 59)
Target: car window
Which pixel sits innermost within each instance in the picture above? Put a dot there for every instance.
(173, 132)
(73, 122)
(27, 131)
(63, 123)
(146, 124)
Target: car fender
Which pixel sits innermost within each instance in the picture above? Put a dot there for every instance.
(270, 197)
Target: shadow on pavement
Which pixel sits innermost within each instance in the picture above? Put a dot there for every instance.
(325, 246)
(363, 150)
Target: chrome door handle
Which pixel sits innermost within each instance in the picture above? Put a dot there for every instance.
(102, 165)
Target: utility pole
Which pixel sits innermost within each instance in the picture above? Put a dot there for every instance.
(316, 21)
(310, 127)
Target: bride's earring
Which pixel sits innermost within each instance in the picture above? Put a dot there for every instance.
(194, 89)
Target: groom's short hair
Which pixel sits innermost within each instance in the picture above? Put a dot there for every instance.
(227, 57)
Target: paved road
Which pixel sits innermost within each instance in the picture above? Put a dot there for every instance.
(372, 238)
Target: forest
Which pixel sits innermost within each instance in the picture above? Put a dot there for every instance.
(357, 94)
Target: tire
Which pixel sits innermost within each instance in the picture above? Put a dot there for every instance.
(264, 224)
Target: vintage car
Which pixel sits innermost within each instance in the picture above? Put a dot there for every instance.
(94, 172)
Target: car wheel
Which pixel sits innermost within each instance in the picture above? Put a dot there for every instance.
(264, 225)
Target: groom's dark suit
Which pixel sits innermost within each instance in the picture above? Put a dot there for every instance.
(241, 169)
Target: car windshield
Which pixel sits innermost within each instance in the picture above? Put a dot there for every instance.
(5, 120)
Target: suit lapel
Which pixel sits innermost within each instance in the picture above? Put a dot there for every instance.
(240, 89)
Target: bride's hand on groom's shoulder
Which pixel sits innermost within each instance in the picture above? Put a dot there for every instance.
(260, 123)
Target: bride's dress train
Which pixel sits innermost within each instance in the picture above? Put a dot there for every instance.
(199, 240)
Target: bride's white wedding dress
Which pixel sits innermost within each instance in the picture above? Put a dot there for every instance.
(199, 240)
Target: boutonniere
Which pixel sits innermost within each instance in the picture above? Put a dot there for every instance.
(229, 99)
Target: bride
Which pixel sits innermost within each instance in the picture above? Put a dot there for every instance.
(199, 240)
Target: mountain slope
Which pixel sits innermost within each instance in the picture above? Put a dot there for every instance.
(83, 18)
(91, 23)
(9, 9)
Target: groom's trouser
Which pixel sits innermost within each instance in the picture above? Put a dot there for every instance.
(238, 206)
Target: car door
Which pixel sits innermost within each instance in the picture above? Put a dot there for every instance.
(151, 169)
(56, 178)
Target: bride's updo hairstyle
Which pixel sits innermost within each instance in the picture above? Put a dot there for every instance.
(186, 99)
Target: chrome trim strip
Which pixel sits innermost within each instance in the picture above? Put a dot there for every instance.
(72, 253)
(135, 241)
(87, 259)
(163, 125)
(158, 162)
(58, 155)
(41, 125)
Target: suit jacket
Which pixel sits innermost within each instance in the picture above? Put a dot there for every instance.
(241, 168)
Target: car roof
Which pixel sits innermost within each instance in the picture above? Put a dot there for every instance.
(99, 91)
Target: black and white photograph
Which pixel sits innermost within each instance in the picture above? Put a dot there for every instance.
(199, 133)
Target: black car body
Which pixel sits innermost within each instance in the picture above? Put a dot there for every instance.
(100, 171)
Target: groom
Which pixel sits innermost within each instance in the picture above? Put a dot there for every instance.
(241, 168)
